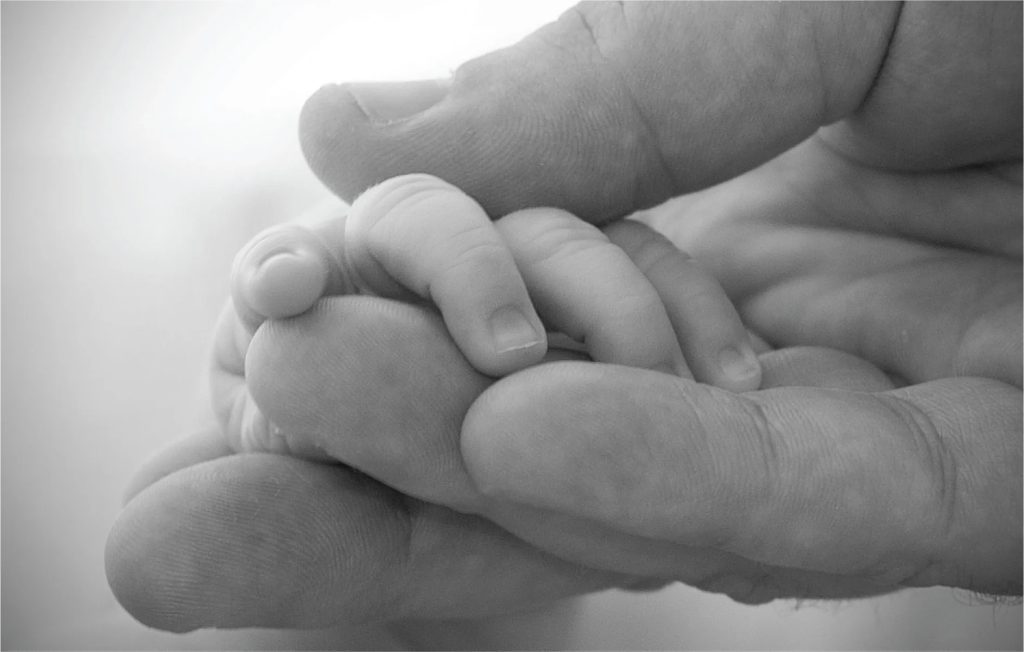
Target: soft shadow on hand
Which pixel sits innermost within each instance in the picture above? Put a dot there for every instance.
(917, 273)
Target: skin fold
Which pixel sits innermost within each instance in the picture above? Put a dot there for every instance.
(869, 207)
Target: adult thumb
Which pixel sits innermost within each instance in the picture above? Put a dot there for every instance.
(612, 108)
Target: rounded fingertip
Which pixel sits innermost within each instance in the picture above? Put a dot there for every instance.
(740, 368)
(284, 282)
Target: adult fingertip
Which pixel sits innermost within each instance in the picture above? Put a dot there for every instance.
(202, 446)
(136, 582)
(611, 108)
(325, 122)
(507, 129)
(255, 541)
(350, 136)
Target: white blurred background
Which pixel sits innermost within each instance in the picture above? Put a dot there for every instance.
(142, 144)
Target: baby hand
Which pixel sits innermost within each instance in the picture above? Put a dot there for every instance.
(626, 294)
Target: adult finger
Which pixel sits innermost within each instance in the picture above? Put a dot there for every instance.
(588, 288)
(613, 107)
(270, 541)
(316, 374)
(201, 446)
(916, 486)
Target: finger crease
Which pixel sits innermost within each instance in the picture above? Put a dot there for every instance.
(771, 457)
(940, 461)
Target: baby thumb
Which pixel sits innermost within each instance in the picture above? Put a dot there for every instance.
(612, 108)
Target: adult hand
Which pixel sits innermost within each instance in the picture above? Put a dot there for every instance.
(899, 224)
(211, 538)
(673, 102)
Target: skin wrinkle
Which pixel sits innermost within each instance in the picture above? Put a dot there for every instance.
(410, 196)
(860, 178)
(591, 29)
(725, 534)
(824, 99)
(940, 462)
(972, 478)
(962, 362)
(866, 345)
(564, 242)
(646, 255)
(785, 469)
(880, 71)
(888, 349)
(468, 258)
(767, 439)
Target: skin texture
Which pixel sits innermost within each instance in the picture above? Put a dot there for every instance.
(624, 295)
(892, 235)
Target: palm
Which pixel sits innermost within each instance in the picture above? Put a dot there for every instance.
(921, 278)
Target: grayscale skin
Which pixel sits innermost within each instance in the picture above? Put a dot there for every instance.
(867, 216)
(626, 293)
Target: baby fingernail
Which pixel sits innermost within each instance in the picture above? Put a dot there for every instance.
(512, 331)
(739, 363)
(286, 283)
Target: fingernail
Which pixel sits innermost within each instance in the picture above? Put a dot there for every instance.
(386, 102)
(512, 331)
(285, 283)
(739, 363)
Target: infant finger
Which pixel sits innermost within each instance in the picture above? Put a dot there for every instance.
(713, 338)
(420, 233)
(284, 270)
(589, 289)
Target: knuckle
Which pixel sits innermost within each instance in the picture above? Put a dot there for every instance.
(638, 310)
(937, 462)
(930, 493)
(539, 236)
(474, 259)
(763, 479)
(397, 193)
(649, 250)
(657, 255)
